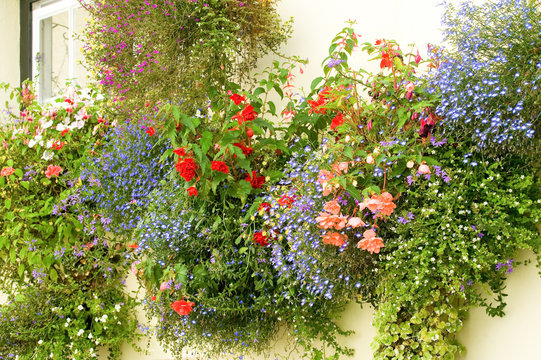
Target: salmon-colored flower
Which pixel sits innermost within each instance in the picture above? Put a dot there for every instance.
(324, 176)
(334, 239)
(340, 167)
(328, 221)
(332, 207)
(182, 307)
(7, 171)
(424, 169)
(52, 170)
(370, 242)
(355, 222)
(382, 204)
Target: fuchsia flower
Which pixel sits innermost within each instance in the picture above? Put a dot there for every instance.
(418, 57)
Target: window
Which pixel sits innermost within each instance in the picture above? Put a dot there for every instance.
(56, 52)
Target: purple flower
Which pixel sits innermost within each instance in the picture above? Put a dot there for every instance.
(334, 62)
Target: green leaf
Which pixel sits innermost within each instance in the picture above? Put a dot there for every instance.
(176, 113)
(354, 192)
(315, 83)
(10, 162)
(7, 203)
(259, 91)
(190, 122)
(272, 108)
(25, 184)
(53, 275)
(205, 141)
(242, 250)
(20, 270)
(19, 173)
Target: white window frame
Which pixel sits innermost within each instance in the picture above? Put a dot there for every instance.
(42, 10)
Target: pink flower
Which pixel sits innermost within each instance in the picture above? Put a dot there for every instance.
(52, 170)
(424, 169)
(164, 286)
(370, 159)
(332, 207)
(334, 239)
(370, 242)
(7, 171)
(418, 57)
(410, 87)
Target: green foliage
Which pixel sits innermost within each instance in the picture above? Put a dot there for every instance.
(460, 242)
(51, 269)
(149, 53)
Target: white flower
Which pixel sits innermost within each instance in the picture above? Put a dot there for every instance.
(34, 141)
(61, 127)
(47, 155)
(47, 125)
(49, 143)
(117, 307)
(80, 307)
(80, 332)
(40, 342)
(90, 335)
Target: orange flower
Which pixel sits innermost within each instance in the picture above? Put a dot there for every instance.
(133, 246)
(379, 203)
(340, 167)
(332, 207)
(334, 239)
(370, 242)
(355, 222)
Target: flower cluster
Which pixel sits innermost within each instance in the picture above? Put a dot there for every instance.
(489, 83)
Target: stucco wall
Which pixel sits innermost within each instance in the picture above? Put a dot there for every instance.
(9, 46)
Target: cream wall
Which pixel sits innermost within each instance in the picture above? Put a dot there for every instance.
(9, 46)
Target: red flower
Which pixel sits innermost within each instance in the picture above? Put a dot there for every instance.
(337, 121)
(286, 200)
(245, 149)
(265, 206)
(255, 181)
(57, 146)
(219, 166)
(133, 246)
(151, 131)
(239, 118)
(182, 307)
(426, 126)
(64, 132)
(192, 191)
(153, 298)
(52, 170)
(186, 168)
(260, 239)
(180, 152)
(386, 61)
(237, 99)
(248, 113)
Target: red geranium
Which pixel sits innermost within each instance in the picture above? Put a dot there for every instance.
(151, 131)
(255, 181)
(237, 99)
(337, 121)
(180, 152)
(192, 191)
(264, 206)
(245, 149)
(186, 168)
(248, 113)
(219, 166)
(286, 200)
(182, 307)
(52, 170)
(260, 239)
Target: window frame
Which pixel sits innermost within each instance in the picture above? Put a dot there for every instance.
(36, 14)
